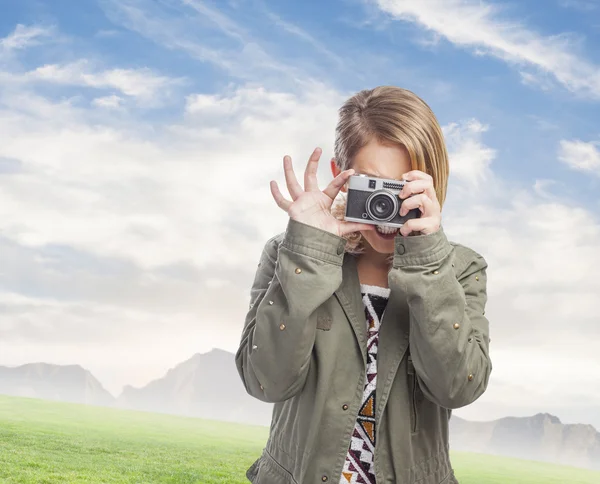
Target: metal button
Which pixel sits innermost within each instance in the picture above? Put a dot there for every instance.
(324, 478)
(470, 376)
(470, 339)
(261, 387)
(436, 272)
(282, 326)
(344, 407)
(251, 305)
(340, 249)
(254, 347)
(269, 282)
(456, 325)
(270, 303)
(476, 278)
(298, 270)
(401, 249)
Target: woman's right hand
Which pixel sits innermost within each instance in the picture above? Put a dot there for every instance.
(311, 205)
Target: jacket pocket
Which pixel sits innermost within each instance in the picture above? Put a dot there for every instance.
(269, 471)
(253, 470)
(412, 391)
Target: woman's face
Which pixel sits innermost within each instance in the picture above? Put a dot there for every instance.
(381, 161)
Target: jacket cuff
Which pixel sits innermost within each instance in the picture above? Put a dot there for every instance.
(420, 250)
(314, 242)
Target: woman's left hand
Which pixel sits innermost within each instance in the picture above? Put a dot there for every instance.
(419, 193)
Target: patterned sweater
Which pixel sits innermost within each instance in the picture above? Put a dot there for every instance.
(358, 467)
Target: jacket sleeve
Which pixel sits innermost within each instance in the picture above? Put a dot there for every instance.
(291, 282)
(449, 334)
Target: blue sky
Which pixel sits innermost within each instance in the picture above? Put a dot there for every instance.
(123, 120)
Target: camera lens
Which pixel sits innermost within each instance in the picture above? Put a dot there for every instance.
(382, 206)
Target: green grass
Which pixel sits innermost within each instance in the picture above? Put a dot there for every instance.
(51, 442)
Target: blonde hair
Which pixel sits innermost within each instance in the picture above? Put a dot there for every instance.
(393, 115)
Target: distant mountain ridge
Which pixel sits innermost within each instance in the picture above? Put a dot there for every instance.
(208, 386)
(68, 383)
(542, 437)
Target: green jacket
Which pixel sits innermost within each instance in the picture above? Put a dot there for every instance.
(304, 348)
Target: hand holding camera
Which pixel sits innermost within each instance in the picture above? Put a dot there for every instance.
(420, 194)
(311, 205)
(409, 204)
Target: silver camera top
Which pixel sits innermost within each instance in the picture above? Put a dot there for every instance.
(367, 183)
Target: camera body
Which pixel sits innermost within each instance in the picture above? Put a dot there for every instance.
(375, 201)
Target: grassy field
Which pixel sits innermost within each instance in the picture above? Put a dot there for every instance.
(48, 442)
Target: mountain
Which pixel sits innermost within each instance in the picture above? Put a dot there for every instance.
(67, 383)
(542, 437)
(206, 386)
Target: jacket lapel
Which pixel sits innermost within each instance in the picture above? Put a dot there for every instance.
(393, 333)
(348, 295)
(392, 345)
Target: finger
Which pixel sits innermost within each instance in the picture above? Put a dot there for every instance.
(310, 174)
(423, 225)
(420, 201)
(416, 186)
(290, 178)
(337, 183)
(416, 175)
(279, 198)
(349, 227)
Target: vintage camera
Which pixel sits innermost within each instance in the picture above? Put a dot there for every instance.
(375, 201)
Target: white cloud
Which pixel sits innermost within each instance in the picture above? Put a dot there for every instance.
(537, 79)
(143, 83)
(470, 159)
(23, 37)
(118, 193)
(107, 33)
(479, 25)
(580, 155)
(108, 102)
(541, 188)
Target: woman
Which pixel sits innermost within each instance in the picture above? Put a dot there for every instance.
(366, 340)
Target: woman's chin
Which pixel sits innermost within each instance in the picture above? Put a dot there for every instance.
(382, 243)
